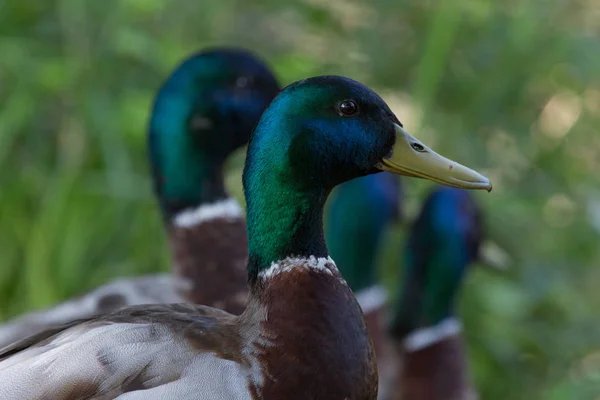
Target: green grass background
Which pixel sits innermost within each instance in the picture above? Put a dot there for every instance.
(511, 88)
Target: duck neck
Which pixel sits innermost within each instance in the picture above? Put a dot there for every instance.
(435, 269)
(283, 223)
(191, 187)
(357, 219)
(185, 172)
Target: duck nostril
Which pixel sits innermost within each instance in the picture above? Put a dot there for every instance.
(418, 147)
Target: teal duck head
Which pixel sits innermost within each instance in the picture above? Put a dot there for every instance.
(443, 242)
(204, 110)
(316, 134)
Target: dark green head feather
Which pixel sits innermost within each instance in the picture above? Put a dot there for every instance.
(303, 146)
(204, 110)
(360, 211)
(443, 242)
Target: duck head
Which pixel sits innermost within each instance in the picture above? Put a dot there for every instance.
(334, 129)
(205, 109)
(316, 134)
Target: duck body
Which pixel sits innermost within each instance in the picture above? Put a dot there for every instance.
(204, 111)
(444, 241)
(302, 334)
(217, 355)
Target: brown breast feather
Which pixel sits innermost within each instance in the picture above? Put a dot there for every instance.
(212, 257)
(321, 349)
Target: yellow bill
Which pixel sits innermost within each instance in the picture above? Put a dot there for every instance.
(412, 158)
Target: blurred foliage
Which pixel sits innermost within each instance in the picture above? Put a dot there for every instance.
(511, 88)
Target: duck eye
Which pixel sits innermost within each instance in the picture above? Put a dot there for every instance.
(347, 108)
(241, 82)
(418, 147)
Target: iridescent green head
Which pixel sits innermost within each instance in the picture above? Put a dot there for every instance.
(204, 110)
(316, 134)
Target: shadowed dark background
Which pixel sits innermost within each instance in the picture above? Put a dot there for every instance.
(510, 88)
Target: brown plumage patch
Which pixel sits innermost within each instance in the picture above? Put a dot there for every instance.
(212, 256)
(437, 372)
(219, 334)
(374, 321)
(320, 349)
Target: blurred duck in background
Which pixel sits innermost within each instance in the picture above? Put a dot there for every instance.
(443, 242)
(360, 213)
(206, 109)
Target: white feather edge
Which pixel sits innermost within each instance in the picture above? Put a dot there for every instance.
(228, 208)
(321, 264)
(371, 298)
(425, 337)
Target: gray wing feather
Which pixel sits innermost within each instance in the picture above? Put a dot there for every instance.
(134, 353)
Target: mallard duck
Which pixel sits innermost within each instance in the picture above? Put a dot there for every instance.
(443, 241)
(302, 334)
(360, 212)
(204, 110)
